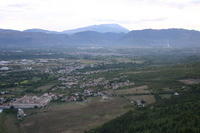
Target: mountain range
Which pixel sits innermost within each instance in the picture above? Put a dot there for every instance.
(102, 28)
(101, 35)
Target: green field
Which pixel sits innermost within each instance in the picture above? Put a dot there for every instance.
(73, 117)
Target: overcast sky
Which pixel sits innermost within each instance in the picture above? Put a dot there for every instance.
(68, 14)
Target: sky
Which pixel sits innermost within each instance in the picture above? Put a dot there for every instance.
(61, 15)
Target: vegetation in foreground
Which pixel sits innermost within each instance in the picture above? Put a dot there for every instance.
(180, 114)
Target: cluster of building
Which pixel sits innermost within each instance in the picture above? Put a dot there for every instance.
(97, 71)
(81, 82)
(71, 68)
(81, 96)
(95, 82)
(33, 101)
(4, 101)
(28, 101)
(117, 85)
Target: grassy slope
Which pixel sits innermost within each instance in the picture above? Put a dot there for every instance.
(178, 115)
(73, 117)
(8, 123)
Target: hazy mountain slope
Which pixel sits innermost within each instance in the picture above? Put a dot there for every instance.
(38, 39)
(102, 28)
(163, 37)
(40, 30)
(94, 38)
(31, 39)
(141, 38)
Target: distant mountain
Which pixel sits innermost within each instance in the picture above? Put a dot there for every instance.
(13, 39)
(95, 38)
(40, 30)
(136, 38)
(8, 30)
(163, 37)
(102, 28)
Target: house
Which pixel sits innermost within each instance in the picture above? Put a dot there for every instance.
(4, 62)
(88, 92)
(2, 100)
(4, 92)
(104, 97)
(140, 103)
(28, 68)
(176, 94)
(20, 114)
(72, 98)
(4, 68)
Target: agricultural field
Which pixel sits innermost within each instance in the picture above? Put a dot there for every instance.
(74, 117)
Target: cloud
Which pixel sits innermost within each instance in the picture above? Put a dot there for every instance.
(21, 5)
(195, 1)
(67, 14)
(150, 20)
(179, 4)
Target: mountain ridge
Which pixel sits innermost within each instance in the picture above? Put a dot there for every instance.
(147, 37)
(102, 28)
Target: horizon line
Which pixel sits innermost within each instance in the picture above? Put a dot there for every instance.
(97, 25)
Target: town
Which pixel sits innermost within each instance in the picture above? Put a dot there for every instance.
(69, 80)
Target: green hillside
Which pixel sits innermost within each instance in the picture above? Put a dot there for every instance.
(180, 114)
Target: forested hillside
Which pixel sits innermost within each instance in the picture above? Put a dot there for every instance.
(180, 114)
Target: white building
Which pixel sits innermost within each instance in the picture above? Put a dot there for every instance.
(32, 101)
(4, 62)
(20, 114)
(176, 94)
(4, 68)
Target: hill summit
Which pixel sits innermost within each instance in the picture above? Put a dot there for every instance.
(102, 28)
